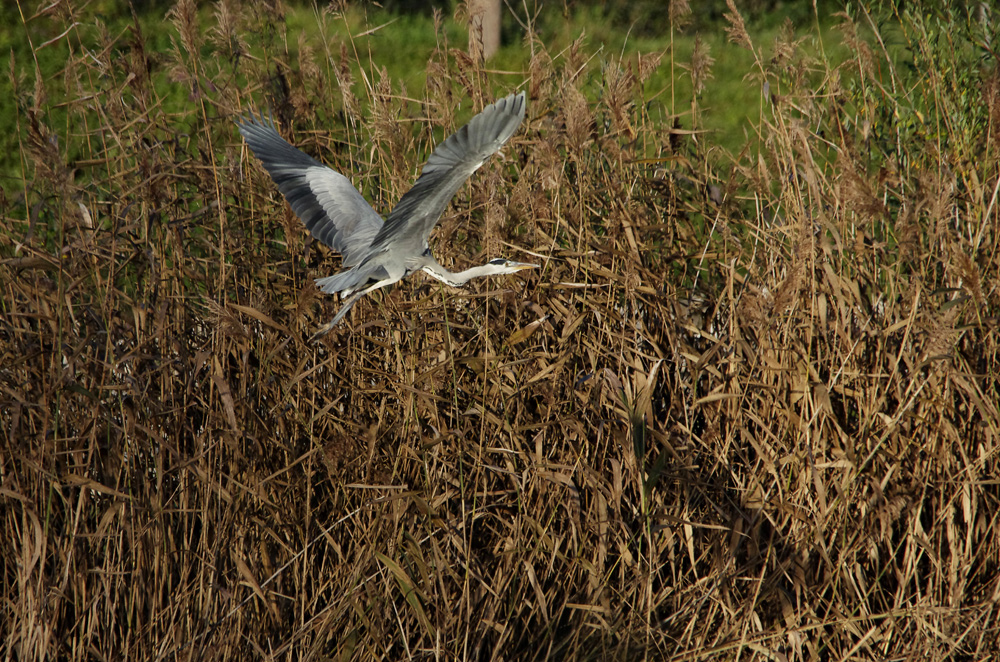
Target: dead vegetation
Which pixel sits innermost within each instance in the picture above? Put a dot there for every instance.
(747, 410)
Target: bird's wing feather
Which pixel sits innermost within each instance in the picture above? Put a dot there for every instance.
(452, 162)
(326, 201)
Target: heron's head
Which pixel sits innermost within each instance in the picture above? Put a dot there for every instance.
(503, 266)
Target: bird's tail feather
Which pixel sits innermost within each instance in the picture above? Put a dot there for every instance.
(345, 280)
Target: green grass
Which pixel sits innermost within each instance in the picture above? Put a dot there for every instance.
(402, 44)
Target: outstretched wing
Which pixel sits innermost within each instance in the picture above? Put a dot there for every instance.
(326, 201)
(452, 162)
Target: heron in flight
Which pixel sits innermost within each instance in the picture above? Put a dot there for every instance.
(376, 254)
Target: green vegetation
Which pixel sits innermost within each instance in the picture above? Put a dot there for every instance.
(747, 410)
(402, 44)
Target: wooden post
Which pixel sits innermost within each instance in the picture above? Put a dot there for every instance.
(484, 28)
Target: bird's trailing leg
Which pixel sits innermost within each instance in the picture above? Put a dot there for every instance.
(351, 300)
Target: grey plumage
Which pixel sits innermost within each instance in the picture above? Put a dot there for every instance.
(377, 254)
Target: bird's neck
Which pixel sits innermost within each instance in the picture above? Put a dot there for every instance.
(460, 278)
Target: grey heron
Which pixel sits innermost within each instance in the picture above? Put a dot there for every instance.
(376, 254)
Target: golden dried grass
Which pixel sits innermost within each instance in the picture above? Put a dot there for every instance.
(747, 409)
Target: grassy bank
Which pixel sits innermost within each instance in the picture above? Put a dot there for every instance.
(746, 410)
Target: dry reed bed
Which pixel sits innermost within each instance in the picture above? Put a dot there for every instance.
(747, 410)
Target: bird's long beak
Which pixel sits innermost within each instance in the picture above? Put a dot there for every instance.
(519, 266)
